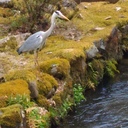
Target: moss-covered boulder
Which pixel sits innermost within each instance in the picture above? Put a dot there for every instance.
(43, 102)
(11, 89)
(14, 87)
(57, 67)
(47, 85)
(26, 75)
(12, 116)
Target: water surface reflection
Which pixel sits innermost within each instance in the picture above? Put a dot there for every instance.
(107, 107)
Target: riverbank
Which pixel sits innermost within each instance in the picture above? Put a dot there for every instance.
(75, 58)
(106, 107)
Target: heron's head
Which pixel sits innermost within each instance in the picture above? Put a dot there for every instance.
(60, 15)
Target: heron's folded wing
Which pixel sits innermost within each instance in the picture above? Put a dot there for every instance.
(33, 42)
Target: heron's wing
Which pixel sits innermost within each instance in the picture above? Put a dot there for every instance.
(33, 42)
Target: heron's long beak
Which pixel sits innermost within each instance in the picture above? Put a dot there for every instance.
(64, 17)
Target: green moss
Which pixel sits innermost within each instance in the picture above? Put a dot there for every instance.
(43, 101)
(59, 47)
(61, 67)
(14, 87)
(10, 45)
(20, 74)
(5, 64)
(46, 83)
(95, 16)
(11, 116)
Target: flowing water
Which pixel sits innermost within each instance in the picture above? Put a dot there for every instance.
(107, 107)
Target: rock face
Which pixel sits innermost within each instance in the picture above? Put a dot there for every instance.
(113, 46)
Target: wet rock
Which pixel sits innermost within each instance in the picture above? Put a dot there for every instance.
(113, 47)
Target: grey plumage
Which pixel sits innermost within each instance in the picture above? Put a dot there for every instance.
(33, 42)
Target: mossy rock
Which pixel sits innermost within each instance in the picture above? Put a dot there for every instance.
(14, 87)
(11, 89)
(59, 47)
(43, 101)
(69, 12)
(20, 74)
(26, 75)
(46, 85)
(59, 68)
(10, 117)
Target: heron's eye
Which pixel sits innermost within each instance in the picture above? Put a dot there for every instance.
(57, 12)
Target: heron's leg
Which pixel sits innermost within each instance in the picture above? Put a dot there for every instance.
(36, 58)
(36, 65)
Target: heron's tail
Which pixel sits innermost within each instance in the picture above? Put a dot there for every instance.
(19, 51)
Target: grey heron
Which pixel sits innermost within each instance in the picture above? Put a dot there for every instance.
(37, 40)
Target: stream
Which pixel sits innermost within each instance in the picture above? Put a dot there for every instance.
(107, 107)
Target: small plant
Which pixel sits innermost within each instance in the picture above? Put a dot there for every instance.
(20, 99)
(16, 24)
(78, 93)
(93, 74)
(111, 68)
(36, 9)
(37, 119)
(66, 106)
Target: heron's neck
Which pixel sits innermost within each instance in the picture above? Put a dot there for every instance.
(49, 31)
